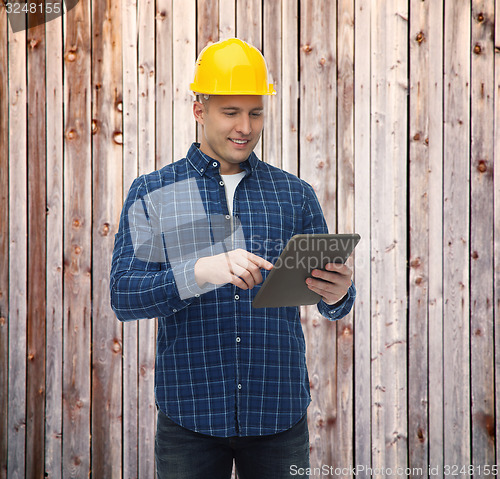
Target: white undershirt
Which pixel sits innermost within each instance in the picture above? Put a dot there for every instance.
(230, 183)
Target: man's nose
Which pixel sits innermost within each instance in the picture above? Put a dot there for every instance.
(244, 125)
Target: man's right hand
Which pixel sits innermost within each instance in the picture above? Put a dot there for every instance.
(238, 267)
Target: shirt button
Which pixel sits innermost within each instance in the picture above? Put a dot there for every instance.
(197, 295)
(236, 297)
(215, 164)
(221, 183)
(238, 339)
(239, 386)
(174, 310)
(202, 170)
(228, 217)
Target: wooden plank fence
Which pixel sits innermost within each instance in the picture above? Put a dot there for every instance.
(390, 109)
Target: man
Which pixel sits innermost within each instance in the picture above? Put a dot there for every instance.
(195, 241)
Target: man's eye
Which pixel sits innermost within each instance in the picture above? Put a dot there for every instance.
(230, 113)
(257, 114)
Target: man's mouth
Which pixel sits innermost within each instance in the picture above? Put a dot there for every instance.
(238, 141)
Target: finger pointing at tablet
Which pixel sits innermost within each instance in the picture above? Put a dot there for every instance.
(238, 267)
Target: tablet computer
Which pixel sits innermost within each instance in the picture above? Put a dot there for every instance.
(286, 285)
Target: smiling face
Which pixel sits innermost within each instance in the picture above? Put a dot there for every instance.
(231, 127)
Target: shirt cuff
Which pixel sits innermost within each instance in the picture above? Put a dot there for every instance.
(337, 311)
(185, 280)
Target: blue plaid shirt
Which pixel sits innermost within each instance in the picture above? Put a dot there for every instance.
(223, 368)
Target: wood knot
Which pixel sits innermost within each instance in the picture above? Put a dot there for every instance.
(117, 347)
(420, 434)
(482, 167)
(76, 223)
(71, 56)
(94, 127)
(477, 49)
(71, 134)
(161, 15)
(34, 43)
(415, 263)
(417, 137)
(420, 37)
(119, 105)
(480, 17)
(118, 137)
(3, 320)
(475, 255)
(307, 48)
(105, 229)
(77, 249)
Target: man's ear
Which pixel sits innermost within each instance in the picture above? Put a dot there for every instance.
(199, 112)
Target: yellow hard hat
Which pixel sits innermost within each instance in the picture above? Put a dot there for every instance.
(231, 67)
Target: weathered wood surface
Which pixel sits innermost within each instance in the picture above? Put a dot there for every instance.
(55, 243)
(481, 239)
(77, 224)
(146, 410)
(419, 224)
(18, 264)
(362, 223)
(434, 74)
(4, 244)
(318, 144)
(496, 216)
(456, 209)
(107, 141)
(35, 394)
(394, 121)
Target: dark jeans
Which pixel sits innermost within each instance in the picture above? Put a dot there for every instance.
(184, 454)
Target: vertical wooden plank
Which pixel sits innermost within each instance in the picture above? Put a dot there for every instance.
(456, 233)
(130, 171)
(496, 176)
(290, 86)
(55, 219)
(35, 427)
(4, 242)
(207, 16)
(362, 223)
(227, 19)
(107, 141)
(318, 167)
(388, 209)
(344, 426)
(249, 29)
(434, 75)
(146, 162)
(77, 242)
(418, 392)
(18, 269)
(164, 82)
(272, 50)
(482, 228)
(184, 57)
(207, 22)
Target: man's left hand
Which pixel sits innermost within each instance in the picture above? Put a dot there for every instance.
(331, 284)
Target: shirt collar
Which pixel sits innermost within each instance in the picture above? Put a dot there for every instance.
(203, 163)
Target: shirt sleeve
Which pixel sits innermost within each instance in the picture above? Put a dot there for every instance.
(142, 281)
(314, 223)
